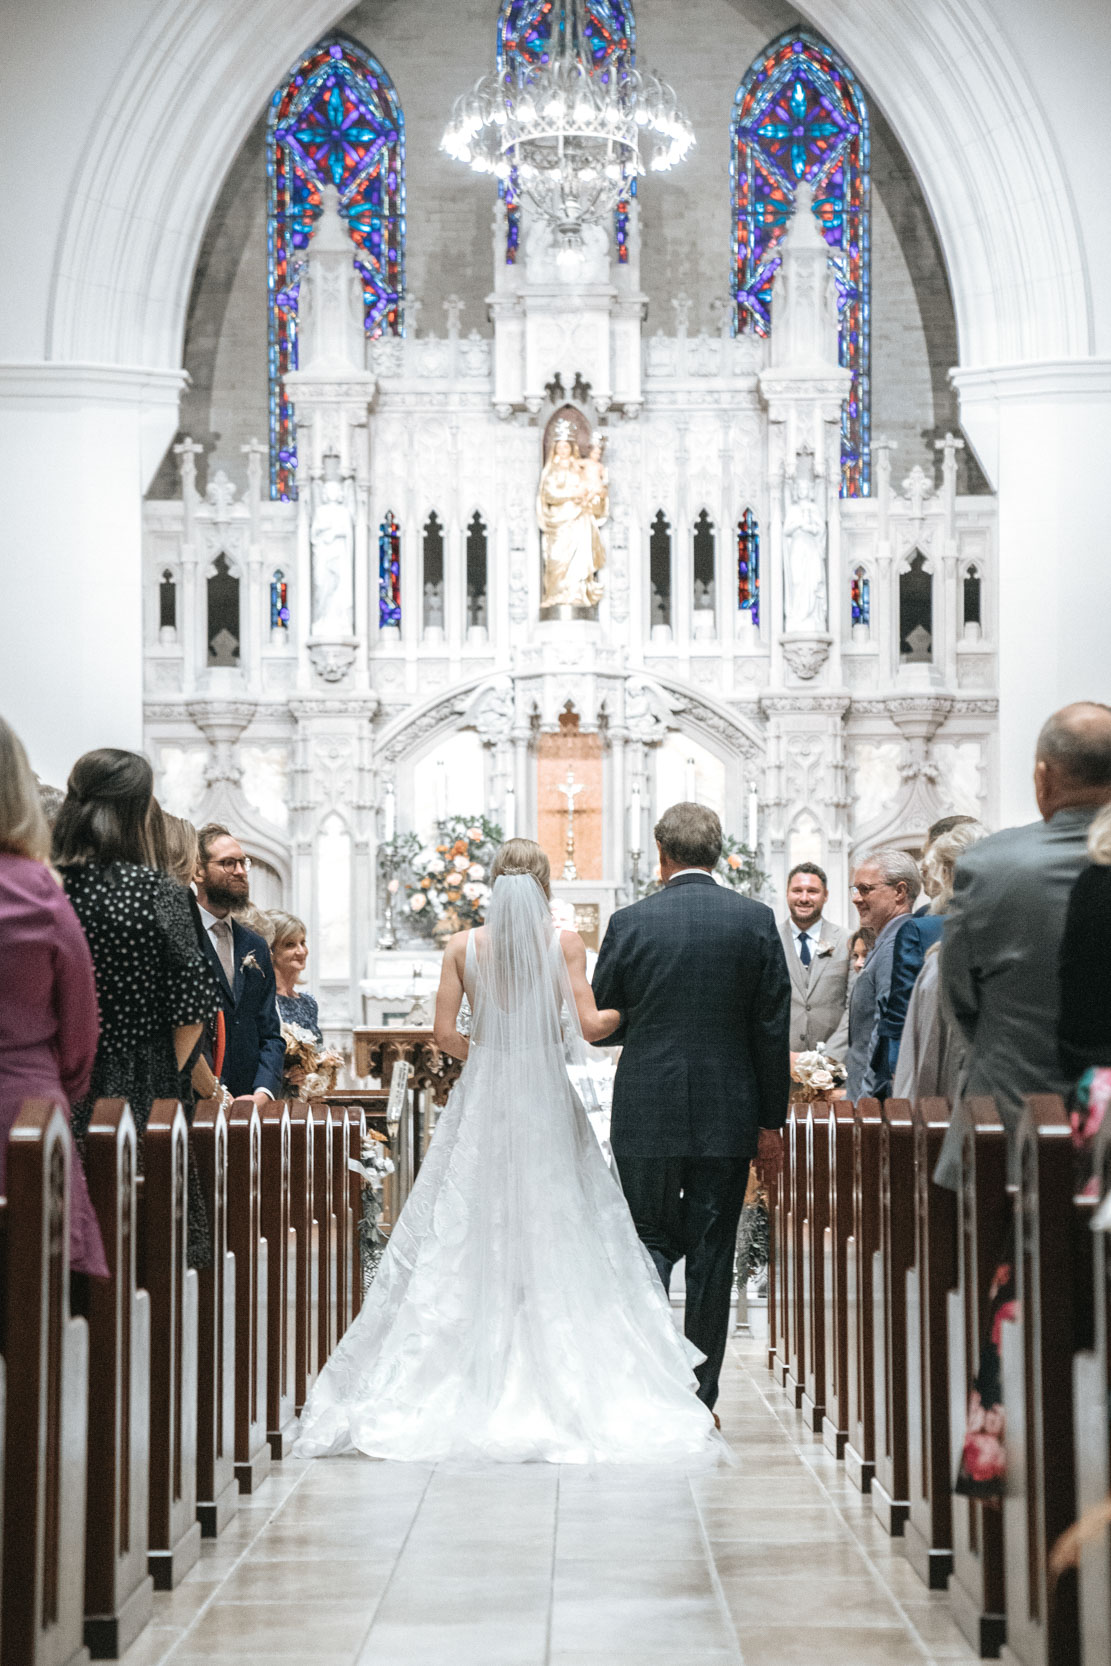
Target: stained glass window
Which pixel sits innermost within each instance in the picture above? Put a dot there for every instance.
(799, 114)
(525, 38)
(860, 598)
(389, 571)
(167, 602)
(335, 120)
(748, 565)
(279, 602)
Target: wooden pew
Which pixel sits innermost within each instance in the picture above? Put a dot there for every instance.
(174, 1531)
(306, 1339)
(252, 1449)
(119, 1591)
(928, 1535)
(890, 1264)
(976, 1582)
(217, 1487)
(781, 1255)
(860, 1448)
(1053, 1260)
(324, 1210)
(795, 1380)
(356, 1133)
(46, 1356)
(346, 1221)
(1091, 1399)
(773, 1263)
(281, 1268)
(811, 1266)
(839, 1161)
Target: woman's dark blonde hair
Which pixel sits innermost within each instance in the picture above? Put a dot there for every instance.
(174, 842)
(283, 928)
(524, 856)
(23, 828)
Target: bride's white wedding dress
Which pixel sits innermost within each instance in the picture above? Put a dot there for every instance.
(515, 1315)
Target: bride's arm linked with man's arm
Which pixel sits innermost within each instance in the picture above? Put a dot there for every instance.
(596, 1025)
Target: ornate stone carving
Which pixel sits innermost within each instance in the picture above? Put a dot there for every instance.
(332, 660)
(806, 654)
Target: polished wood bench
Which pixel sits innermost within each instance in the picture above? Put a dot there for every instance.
(217, 1487)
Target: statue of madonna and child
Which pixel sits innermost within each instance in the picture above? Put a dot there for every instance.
(572, 503)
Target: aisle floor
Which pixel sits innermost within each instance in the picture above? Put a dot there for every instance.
(776, 1562)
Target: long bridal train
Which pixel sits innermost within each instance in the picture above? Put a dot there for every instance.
(515, 1315)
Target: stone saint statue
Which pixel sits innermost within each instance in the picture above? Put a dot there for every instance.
(569, 505)
(332, 537)
(804, 561)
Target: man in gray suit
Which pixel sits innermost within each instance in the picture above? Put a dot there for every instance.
(818, 960)
(885, 889)
(1002, 937)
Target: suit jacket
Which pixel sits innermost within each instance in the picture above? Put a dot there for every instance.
(254, 1054)
(1085, 1032)
(820, 991)
(700, 978)
(869, 989)
(913, 939)
(1000, 953)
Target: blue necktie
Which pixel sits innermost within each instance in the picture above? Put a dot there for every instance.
(804, 948)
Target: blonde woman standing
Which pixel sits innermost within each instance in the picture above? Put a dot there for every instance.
(48, 1013)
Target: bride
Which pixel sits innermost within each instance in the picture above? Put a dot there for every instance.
(515, 1315)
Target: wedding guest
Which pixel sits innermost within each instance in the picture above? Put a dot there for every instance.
(254, 1052)
(931, 1050)
(1084, 1032)
(1001, 951)
(173, 845)
(818, 960)
(154, 989)
(48, 1016)
(913, 941)
(289, 952)
(861, 945)
(885, 889)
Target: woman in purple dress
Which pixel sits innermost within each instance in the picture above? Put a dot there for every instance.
(48, 1011)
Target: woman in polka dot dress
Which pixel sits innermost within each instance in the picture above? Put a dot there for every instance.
(154, 987)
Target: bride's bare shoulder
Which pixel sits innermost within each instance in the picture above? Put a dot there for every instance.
(574, 949)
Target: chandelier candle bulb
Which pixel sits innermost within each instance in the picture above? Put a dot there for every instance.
(510, 813)
(753, 817)
(634, 819)
(389, 813)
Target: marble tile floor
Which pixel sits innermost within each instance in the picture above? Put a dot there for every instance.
(775, 1562)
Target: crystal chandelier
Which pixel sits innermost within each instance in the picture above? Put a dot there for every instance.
(569, 136)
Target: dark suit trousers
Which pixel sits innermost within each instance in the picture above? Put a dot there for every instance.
(691, 1206)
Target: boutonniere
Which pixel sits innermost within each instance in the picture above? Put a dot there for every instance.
(823, 950)
(249, 964)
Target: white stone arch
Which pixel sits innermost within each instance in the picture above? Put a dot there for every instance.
(195, 80)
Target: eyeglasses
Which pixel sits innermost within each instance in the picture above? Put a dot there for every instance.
(230, 863)
(866, 890)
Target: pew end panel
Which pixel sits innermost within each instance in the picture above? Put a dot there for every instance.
(814, 1227)
(46, 1360)
(174, 1531)
(252, 1449)
(860, 1448)
(217, 1487)
(306, 1340)
(839, 1134)
(281, 1266)
(928, 1534)
(794, 1381)
(119, 1591)
(891, 1262)
(324, 1210)
(1091, 1398)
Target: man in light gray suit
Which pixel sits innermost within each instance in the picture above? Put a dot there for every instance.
(818, 960)
(1002, 938)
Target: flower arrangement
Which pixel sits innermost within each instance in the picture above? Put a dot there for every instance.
(310, 1069)
(739, 868)
(451, 883)
(817, 1073)
(374, 1165)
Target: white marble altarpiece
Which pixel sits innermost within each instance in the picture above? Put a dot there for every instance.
(859, 705)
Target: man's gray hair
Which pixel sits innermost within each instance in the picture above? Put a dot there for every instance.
(1078, 740)
(895, 866)
(689, 835)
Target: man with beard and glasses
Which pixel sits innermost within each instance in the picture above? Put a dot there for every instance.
(253, 1049)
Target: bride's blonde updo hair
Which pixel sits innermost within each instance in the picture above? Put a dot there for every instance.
(524, 856)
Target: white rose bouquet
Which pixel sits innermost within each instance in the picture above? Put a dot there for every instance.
(451, 882)
(817, 1074)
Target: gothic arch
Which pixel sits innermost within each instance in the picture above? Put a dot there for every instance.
(186, 94)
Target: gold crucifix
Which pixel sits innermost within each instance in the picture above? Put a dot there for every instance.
(570, 790)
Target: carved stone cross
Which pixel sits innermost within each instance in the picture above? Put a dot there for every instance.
(570, 790)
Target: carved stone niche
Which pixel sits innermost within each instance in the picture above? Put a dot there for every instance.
(806, 654)
(332, 660)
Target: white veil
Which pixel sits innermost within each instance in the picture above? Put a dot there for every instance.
(523, 998)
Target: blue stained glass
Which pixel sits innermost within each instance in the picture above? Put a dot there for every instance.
(336, 119)
(799, 114)
(389, 572)
(748, 565)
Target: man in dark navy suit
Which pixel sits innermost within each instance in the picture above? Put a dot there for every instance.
(699, 975)
(254, 1053)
